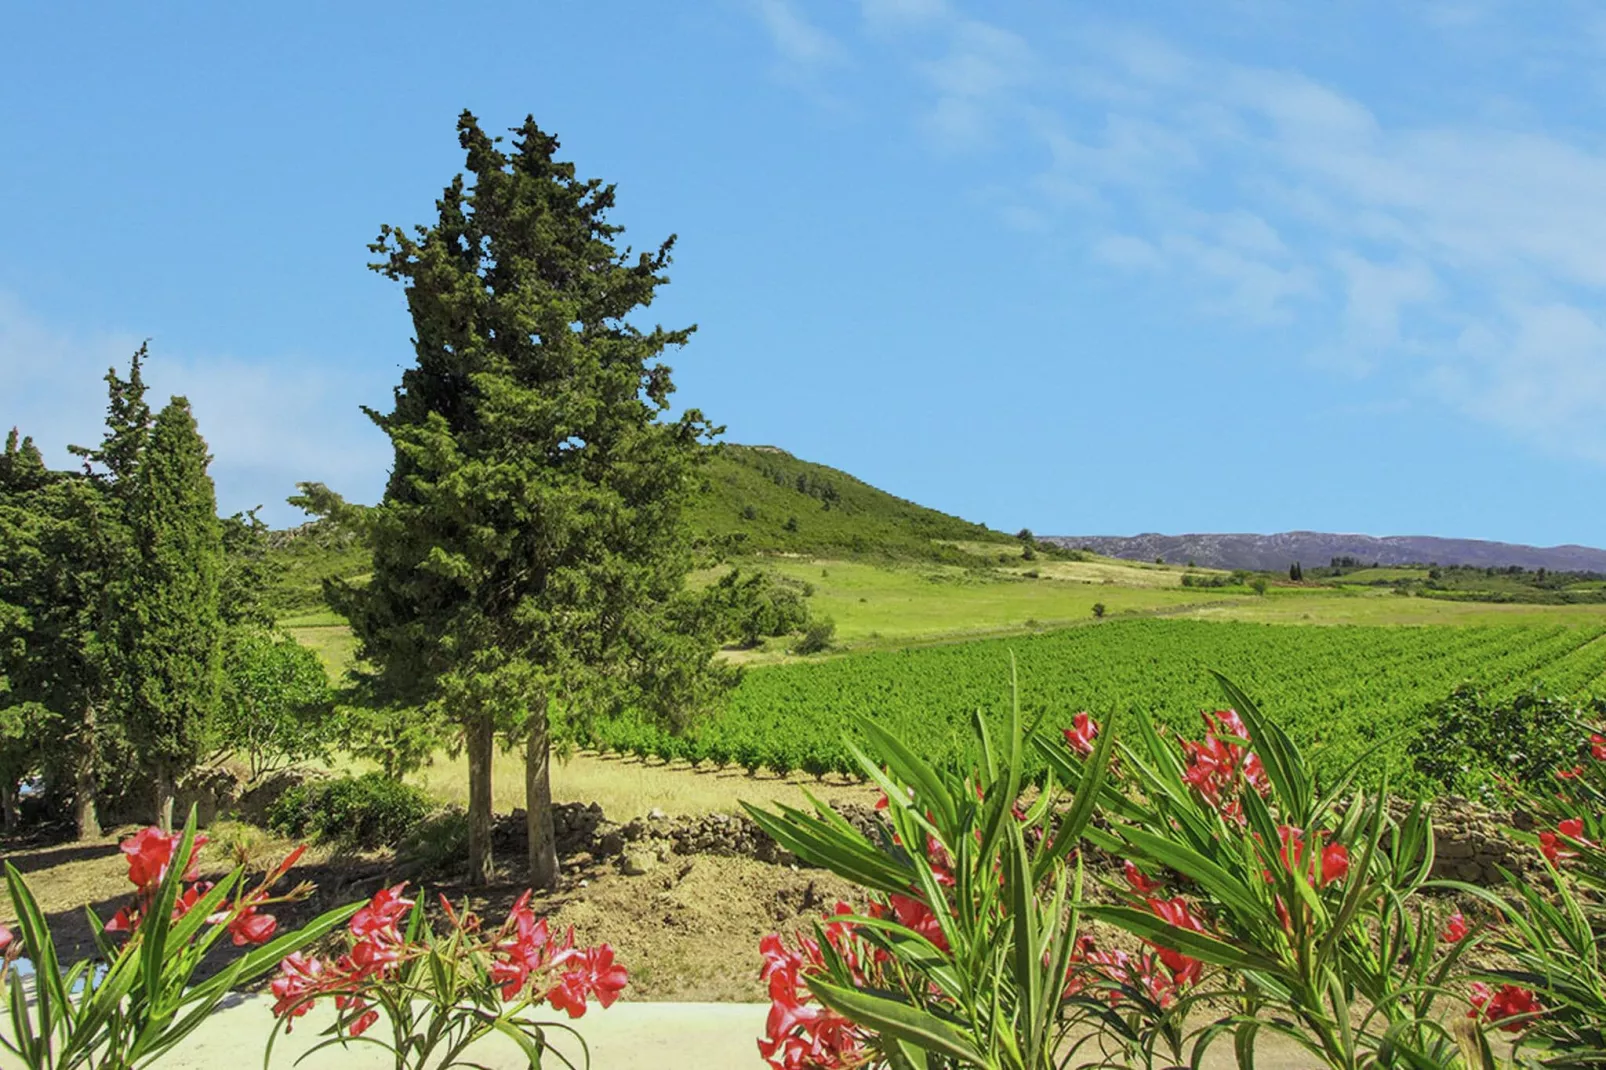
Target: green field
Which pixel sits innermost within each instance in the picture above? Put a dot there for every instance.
(929, 608)
(909, 602)
(1342, 688)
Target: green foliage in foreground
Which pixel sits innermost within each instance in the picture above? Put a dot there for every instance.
(1340, 689)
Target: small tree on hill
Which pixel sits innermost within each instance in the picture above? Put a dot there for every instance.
(169, 630)
(530, 545)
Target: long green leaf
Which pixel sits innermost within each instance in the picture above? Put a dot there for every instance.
(898, 1019)
(1146, 926)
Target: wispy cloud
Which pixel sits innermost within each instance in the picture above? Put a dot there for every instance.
(1466, 256)
(802, 45)
(268, 424)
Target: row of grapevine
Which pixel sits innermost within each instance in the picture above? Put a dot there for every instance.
(1342, 688)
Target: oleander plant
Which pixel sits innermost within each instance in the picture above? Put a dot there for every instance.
(1242, 896)
(438, 991)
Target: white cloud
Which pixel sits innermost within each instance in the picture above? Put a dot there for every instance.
(799, 42)
(268, 424)
(1461, 255)
(974, 82)
(898, 13)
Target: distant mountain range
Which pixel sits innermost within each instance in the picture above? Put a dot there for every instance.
(1318, 548)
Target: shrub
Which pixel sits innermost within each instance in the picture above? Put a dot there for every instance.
(368, 811)
(820, 635)
(439, 843)
(1098, 609)
(275, 707)
(1472, 744)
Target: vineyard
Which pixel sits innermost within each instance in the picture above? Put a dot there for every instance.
(1341, 688)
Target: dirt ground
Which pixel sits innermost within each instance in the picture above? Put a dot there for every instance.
(688, 929)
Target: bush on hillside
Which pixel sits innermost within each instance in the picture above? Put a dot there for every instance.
(367, 811)
(819, 637)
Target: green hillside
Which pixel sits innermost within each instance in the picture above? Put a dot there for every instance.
(753, 500)
(760, 499)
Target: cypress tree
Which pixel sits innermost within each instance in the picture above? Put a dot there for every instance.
(529, 552)
(169, 630)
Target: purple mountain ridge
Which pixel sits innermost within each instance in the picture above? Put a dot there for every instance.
(1315, 548)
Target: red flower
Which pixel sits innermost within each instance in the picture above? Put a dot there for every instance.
(914, 915)
(300, 977)
(1138, 880)
(1455, 929)
(1597, 747)
(382, 912)
(1333, 859)
(252, 928)
(1506, 1003)
(149, 853)
(1083, 731)
(1335, 863)
(591, 972)
(1551, 846)
(1570, 774)
(528, 949)
(5, 939)
(1175, 911)
(121, 922)
(358, 1025)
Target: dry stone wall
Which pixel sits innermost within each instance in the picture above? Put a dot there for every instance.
(1471, 842)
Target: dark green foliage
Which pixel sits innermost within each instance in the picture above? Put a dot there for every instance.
(128, 428)
(169, 629)
(365, 811)
(276, 702)
(399, 739)
(531, 538)
(753, 606)
(1474, 742)
(248, 572)
(1296, 573)
(819, 637)
(438, 844)
(62, 543)
(1098, 609)
(24, 728)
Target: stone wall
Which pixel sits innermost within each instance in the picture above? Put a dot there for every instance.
(1470, 845)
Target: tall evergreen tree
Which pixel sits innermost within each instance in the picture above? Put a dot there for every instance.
(167, 609)
(128, 427)
(58, 556)
(529, 553)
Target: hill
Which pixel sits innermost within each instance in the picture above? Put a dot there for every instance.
(1319, 548)
(752, 500)
(761, 499)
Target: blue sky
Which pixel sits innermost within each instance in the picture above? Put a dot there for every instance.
(1087, 268)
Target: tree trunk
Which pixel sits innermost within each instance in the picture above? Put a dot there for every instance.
(84, 779)
(479, 737)
(164, 797)
(11, 802)
(538, 801)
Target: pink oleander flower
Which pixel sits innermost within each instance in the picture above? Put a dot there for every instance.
(1503, 1004)
(1080, 736)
